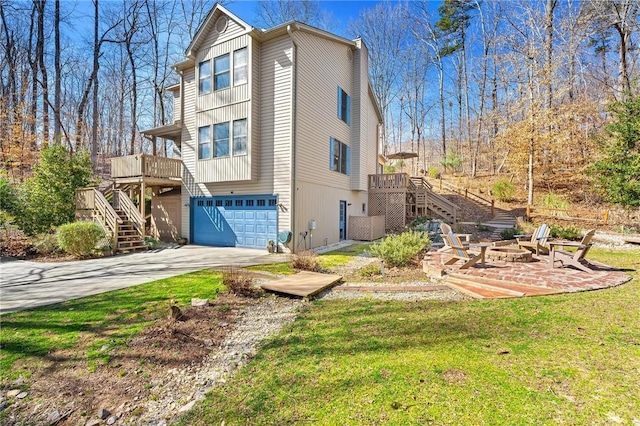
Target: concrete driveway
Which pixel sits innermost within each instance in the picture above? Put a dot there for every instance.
(26, 285)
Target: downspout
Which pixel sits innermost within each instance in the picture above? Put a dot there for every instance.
(181, 98)
(294, 96)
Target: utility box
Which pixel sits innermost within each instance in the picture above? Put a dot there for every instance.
(312, 225)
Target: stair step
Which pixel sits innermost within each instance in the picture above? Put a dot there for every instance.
(481, 291)
(525, 289)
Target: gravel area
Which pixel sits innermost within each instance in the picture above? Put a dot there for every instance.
(606, 240)
(182, 388)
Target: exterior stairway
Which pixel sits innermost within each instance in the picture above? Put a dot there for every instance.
(502, 220)
(129, 238)
(119, 217)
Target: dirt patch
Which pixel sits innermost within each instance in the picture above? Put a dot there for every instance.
(73, 390)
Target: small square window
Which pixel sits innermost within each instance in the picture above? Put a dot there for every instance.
(218, 203)
(249, 203)
(261, 203)
(209, 203)
(272, 202)
(238, 203)
(200, 203)
(228, 203)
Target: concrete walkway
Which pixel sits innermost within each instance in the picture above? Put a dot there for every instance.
(25, 285)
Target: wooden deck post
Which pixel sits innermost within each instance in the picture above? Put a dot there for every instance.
(142, 202)
(528, 211)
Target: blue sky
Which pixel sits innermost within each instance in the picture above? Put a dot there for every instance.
(342, 12)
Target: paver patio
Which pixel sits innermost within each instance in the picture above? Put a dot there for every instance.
(536, 273)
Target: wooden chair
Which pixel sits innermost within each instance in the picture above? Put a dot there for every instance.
(575, 259)
(460, 252)
(446, 230)
(538, 242)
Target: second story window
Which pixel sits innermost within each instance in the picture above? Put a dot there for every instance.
(240, 137)
(339, 156)
(344, 106)
(204, 143)
(240, 67)
(221, 72)
(221, 140)
(204, 80)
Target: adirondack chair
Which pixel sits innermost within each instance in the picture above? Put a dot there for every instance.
(575, 259)
(460, 252)
(538, 242)
(446, 230)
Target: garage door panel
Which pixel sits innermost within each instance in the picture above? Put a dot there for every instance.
(243, 221)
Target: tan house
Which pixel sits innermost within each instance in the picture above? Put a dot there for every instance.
(278, 131)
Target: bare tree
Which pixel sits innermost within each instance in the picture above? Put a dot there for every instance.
(275, 12)
(382, 31)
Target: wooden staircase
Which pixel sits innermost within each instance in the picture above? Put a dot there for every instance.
(129, 238)
(119, 217)
(431, 203)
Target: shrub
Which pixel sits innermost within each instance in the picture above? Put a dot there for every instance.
(15, 243)
(433, 172)
(240, 285)
(80, 238)
(306, 260)
(370, 271)
(47, 199)
(47, 244)
(566, 233)
(503, 190)
(399, 250)
(508, 233)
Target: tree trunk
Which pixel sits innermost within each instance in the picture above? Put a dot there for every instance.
(40, 5)
(57, 135)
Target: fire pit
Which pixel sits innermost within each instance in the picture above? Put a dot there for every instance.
(509, 255)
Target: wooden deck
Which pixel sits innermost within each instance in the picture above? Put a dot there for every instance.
(303, 284)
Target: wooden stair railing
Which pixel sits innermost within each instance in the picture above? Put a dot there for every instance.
(469, 195)
(122, 202)
(92, 200)
(440, 205)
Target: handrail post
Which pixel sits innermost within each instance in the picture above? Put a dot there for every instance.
(493, 212)
(606, 217)
(528, 211)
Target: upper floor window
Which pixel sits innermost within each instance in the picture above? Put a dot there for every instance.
(221, 140)
(344, 106)
(240, 137)
(204, 81)
(339, 156)
(204, 142)
(221, 72)
(240, 67)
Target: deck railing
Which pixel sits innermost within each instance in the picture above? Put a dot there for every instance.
(146, 166)
(91, 204)
(389, 181)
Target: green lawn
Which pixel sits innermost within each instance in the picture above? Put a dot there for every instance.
(567, 359)
(88, 324)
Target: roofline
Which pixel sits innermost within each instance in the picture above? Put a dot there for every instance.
(300, 26)
(206, 20)
(375, 102)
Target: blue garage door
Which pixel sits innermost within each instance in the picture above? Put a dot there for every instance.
(242, 221)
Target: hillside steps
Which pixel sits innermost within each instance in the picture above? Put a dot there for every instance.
(501, 221)
(487, 288)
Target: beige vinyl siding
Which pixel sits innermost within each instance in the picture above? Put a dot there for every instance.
(234, 29)
(232, 94)
(371, 132)
(188, 147)
(255, 129)
(323, 65)
(322, 203)
(223, 169)
(270, 134)
(176, 105)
